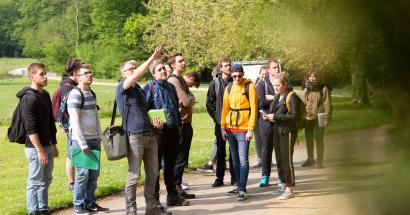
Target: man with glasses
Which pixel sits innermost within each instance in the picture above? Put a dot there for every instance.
(85, 134)
(133, 107)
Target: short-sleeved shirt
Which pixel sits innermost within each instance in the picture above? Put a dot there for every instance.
(136, 121)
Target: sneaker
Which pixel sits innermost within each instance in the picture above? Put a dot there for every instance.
(241, 196)
(35, 213)
(278, 191)
(94, 207)
(309, 162)
(71, 187)
(184, 194)
(45, 212)
(157, 211)
(177, 201)
(319, 165)
(264, 181)
(81, 210)
(218, 183)
(206, 168)
(286, 195)
(233, 192)
(257, 165)
(184, 186)
(279, 182)
(131, 212)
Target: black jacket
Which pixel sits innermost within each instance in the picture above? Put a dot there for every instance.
(284, 120)
(263, 88)
(37, 116)
(214, 98)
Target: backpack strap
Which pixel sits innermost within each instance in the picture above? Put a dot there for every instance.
(287, 101)
(246, 93)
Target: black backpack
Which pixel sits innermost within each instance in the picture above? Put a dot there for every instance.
(16, 133)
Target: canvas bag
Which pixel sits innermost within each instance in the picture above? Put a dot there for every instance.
(115, 139)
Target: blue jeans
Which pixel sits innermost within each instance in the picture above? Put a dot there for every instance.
(39, 179)
(85, 179)
(240, 152)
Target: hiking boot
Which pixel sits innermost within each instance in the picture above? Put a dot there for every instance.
(157, 211)
(184, 186)
(94, 207)
(241, 196)
(264, 181)
(81, 210)
(206, 168)
(184, 194)
(218, 183)
(309, 162)
(286, 195)
(233, 192)
(176, 201)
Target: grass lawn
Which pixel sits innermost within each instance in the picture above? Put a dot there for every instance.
(13, 163)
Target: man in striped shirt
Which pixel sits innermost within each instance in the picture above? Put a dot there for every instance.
(85, 133)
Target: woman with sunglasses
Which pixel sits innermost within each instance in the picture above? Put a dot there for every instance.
(239, 115)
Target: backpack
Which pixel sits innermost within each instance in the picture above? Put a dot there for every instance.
(63, 118)
(300, 121)
(56, 101)
(16, 133)
(245, 91)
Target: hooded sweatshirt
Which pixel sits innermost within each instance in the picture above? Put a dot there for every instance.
(37, 116)
(239, 113)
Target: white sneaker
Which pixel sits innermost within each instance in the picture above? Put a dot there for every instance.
(184, 186)
(286, 195)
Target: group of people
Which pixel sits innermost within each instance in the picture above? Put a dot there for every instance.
(268, 110)
(239, 108)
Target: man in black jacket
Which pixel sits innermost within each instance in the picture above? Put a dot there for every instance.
(214, 100)
(40, 146)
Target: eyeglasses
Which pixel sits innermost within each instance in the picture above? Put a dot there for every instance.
(236, 76)
(86, 73)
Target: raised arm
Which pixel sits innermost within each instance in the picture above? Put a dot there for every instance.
(142, 69)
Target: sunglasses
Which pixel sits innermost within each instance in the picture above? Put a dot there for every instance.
(86, 73)
(236, 76)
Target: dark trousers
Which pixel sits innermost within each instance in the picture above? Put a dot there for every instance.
(313, 131)
(167, 149)
(267, 146)
(221, 155)
(183, 148)
(285, 143)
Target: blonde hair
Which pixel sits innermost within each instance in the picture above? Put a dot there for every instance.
(283, 77)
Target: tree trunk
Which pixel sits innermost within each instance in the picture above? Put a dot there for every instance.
(359, 86)
(77, 22)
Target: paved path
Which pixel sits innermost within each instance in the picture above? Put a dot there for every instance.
(352, 171)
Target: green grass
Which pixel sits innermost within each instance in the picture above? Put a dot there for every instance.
(13, 163)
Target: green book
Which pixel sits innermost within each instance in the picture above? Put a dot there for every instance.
(160, 113)
(87, 161)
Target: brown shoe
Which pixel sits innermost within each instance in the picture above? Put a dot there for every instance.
(176, 201)
(184, 194)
